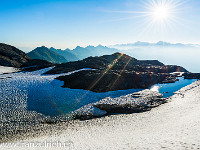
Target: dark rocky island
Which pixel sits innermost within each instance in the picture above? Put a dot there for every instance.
(115, 72)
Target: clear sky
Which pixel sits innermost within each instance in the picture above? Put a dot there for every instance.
(68, 23)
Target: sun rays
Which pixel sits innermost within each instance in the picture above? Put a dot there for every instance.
(162, 12)
(104, 72)
(158, 15)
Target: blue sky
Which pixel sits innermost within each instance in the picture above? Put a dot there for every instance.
(68, 23)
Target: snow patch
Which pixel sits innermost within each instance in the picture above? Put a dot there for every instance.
(155, 88)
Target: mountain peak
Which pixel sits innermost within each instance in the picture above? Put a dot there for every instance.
(52, 48)
(90, 46)
(43, 46)
(46, 54)
(101, 46)
(78, 47)
(162, 43)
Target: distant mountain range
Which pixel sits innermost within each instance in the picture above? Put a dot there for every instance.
(160, 43)
(169, 53)
(164, 51)
(88, 51)
(13, 57)
(67, 54)
(61, 56)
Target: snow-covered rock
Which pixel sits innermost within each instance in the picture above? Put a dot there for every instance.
(132, 103)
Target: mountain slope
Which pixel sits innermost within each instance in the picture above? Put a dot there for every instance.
(45, 54)
(11, 56)
(67, 54)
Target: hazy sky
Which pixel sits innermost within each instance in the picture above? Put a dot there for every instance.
(68, 23)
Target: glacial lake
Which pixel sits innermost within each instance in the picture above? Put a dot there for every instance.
(34, 91)
(66, 100)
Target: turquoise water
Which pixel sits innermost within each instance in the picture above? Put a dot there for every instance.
(169, 88)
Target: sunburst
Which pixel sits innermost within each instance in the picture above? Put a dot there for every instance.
(162, 11)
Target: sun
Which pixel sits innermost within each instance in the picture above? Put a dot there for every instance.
(161, 10)
(156, 14)
(161, 13)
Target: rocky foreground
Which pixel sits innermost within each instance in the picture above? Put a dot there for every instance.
(174, 125)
